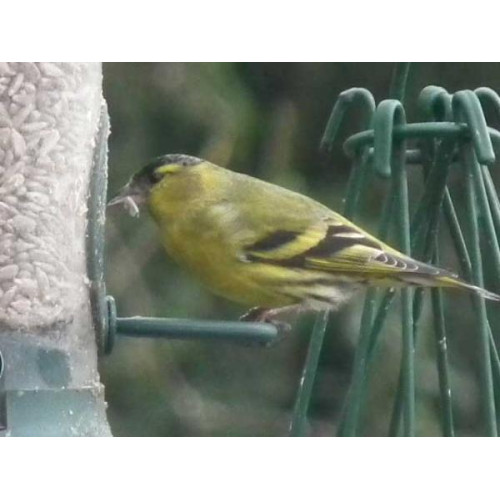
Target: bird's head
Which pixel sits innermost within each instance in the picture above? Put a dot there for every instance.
(157, 174)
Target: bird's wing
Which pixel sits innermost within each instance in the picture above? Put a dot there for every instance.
(335, 245)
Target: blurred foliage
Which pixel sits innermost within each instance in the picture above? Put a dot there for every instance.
(264, 119)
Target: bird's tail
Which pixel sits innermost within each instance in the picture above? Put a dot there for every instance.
(422, 274)
(452, 282)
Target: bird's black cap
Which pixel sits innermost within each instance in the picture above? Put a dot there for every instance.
(179, 159)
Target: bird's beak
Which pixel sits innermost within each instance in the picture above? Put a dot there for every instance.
(120, 197)
(130, 197)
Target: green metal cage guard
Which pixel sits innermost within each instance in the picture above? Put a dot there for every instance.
(452, 130)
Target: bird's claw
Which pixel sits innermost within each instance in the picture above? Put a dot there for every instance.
(254, 314)
(261, 315)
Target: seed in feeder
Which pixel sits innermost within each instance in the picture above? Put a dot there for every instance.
(8, 272)
(18, 143)
(16, 84)
(8, 296)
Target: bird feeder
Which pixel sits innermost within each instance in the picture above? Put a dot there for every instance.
(52, 122)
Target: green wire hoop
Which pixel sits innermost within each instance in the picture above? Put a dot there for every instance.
(452, 132)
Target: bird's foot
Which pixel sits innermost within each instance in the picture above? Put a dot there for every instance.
(262, 315)
(255, 314)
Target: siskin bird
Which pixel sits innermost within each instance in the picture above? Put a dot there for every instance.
(265, 246)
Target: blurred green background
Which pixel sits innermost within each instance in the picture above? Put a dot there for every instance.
(263, 119)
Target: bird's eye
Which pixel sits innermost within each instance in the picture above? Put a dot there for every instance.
(184, 163)
(155, 176)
